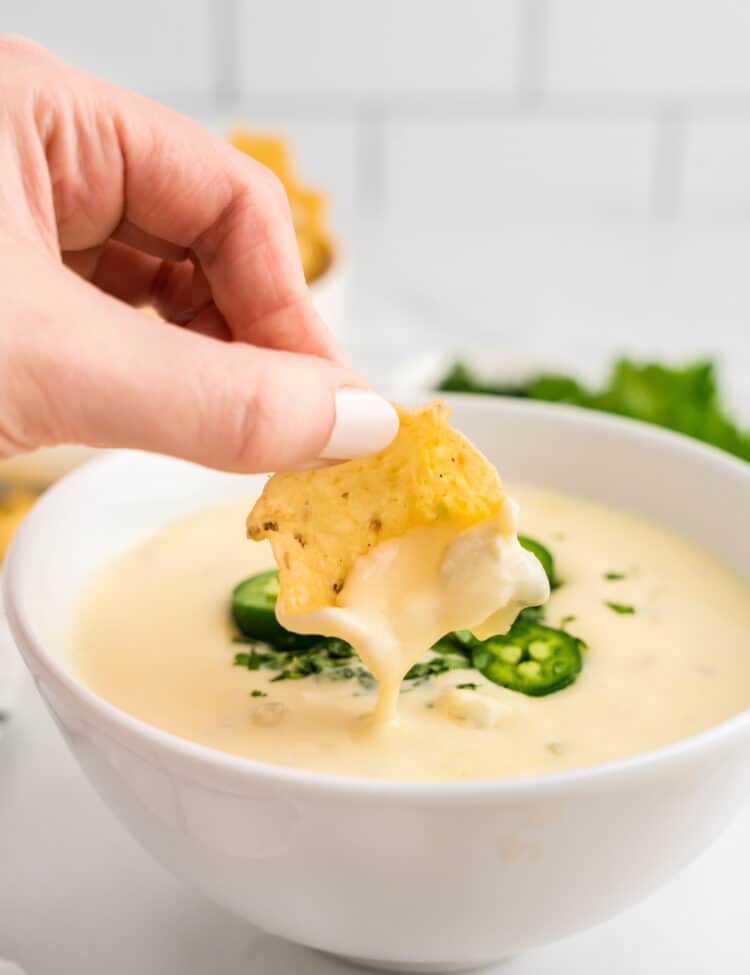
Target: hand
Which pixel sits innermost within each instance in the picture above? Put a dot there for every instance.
(109, 201)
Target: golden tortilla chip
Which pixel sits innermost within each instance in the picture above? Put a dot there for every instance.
(307, 205)
(270, 150)
(13, 506)
(315, 253)
(319, 522)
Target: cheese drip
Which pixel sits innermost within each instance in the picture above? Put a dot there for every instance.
(406, 593)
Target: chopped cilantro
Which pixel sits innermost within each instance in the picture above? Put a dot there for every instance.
(257, 693)
(468, 686)
(622, 608)
(614, 576)
(255, 659)
(439, 664)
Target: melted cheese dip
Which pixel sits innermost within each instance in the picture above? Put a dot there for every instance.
(406, 593)
(152, 636)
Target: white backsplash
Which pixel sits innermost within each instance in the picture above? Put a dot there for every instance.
(475, 107)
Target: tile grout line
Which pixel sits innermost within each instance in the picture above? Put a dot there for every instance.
(370, 170)
(224, 53)
(532, 44)
(668, 164)
(449, 105)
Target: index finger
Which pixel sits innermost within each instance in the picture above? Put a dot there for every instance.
(186, 192)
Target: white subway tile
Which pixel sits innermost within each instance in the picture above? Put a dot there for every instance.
(518, 165)
(717, 167)
(153, 46)
(659, 46)
(355, 46)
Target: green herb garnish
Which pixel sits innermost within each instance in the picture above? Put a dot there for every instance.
(257, 659)
(570, 618)
(439, 664)
(622, 608)
(685, 399)
(257, 693)
(468, 686)
(534, 614)
(614, 576)
(330, 658)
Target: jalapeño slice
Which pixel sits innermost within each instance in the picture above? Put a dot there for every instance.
(545, 557)
(530, 658)
(254, 611)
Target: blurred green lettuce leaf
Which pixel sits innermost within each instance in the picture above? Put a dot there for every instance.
(683, 398)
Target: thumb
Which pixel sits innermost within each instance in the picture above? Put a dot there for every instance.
(110, 376)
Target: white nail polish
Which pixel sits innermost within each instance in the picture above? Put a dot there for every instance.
(365, 423)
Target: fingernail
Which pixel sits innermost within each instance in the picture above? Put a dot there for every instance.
(365, 423)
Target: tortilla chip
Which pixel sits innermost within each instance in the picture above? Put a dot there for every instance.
(319, 522)
(270, 150)
(307, 205)
(13, 506)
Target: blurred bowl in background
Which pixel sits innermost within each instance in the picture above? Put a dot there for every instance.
(38, 469)
(509, 366)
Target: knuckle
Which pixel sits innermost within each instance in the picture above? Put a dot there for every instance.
(251, 207)
(208, 245)
(272, 193)
(272, 185)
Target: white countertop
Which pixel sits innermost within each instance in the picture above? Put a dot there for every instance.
(79, 897)
(670, 290)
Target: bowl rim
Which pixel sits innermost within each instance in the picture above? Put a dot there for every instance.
(332, 785)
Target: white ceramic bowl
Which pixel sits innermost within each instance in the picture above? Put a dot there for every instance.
(417, 876)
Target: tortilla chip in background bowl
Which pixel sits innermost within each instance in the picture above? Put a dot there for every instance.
(14, 503)
(323, 258)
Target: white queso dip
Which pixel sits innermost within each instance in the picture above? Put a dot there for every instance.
(664, 626)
